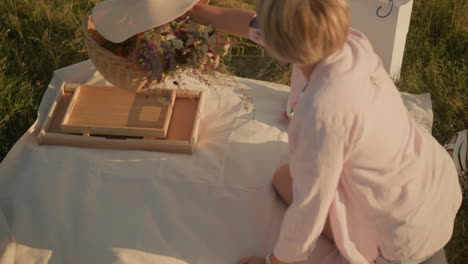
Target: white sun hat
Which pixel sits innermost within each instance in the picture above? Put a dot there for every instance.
(118, 20)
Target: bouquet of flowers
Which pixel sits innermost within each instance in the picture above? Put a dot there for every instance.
(170, 48)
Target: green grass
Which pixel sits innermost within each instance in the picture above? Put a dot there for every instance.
(39, 36)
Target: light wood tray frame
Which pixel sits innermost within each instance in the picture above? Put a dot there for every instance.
(107, 110)
(181, 137)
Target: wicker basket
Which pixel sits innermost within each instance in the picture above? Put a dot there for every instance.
(120, 71)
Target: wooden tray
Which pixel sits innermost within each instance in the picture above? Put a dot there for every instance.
(181, 137)
(108, 110)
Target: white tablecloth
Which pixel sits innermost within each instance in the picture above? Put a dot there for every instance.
(79, 205)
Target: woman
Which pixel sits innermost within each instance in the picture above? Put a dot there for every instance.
(362, 172)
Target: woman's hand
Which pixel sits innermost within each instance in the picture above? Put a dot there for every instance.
(192, 11)
(197, 12)
(233, 21)
(252, 260)
(258, 260)
(203, 2)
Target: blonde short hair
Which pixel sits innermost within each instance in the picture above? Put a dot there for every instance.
(303, 31)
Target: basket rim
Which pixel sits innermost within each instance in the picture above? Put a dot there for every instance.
(94, 45)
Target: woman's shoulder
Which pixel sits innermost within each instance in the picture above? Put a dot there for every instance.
(355, 59)
(344, 79)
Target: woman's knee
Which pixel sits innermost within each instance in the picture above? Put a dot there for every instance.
(282, 182)
(281, 175)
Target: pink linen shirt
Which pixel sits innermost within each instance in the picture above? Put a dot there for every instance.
(359, 158)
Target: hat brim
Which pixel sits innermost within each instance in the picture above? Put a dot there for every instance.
(118, 20)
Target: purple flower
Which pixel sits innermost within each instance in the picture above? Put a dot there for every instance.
(158, 55)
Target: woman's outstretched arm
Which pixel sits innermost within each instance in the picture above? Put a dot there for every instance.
(234, 21)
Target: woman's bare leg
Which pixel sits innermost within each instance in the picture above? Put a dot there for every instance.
(282, 182)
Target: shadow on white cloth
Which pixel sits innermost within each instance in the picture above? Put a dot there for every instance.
(77, 205)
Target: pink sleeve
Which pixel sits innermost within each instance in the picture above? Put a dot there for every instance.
(316, 162)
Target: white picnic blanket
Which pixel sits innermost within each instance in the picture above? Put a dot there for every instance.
(77, 205)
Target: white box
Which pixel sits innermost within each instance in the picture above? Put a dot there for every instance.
(386, 24)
